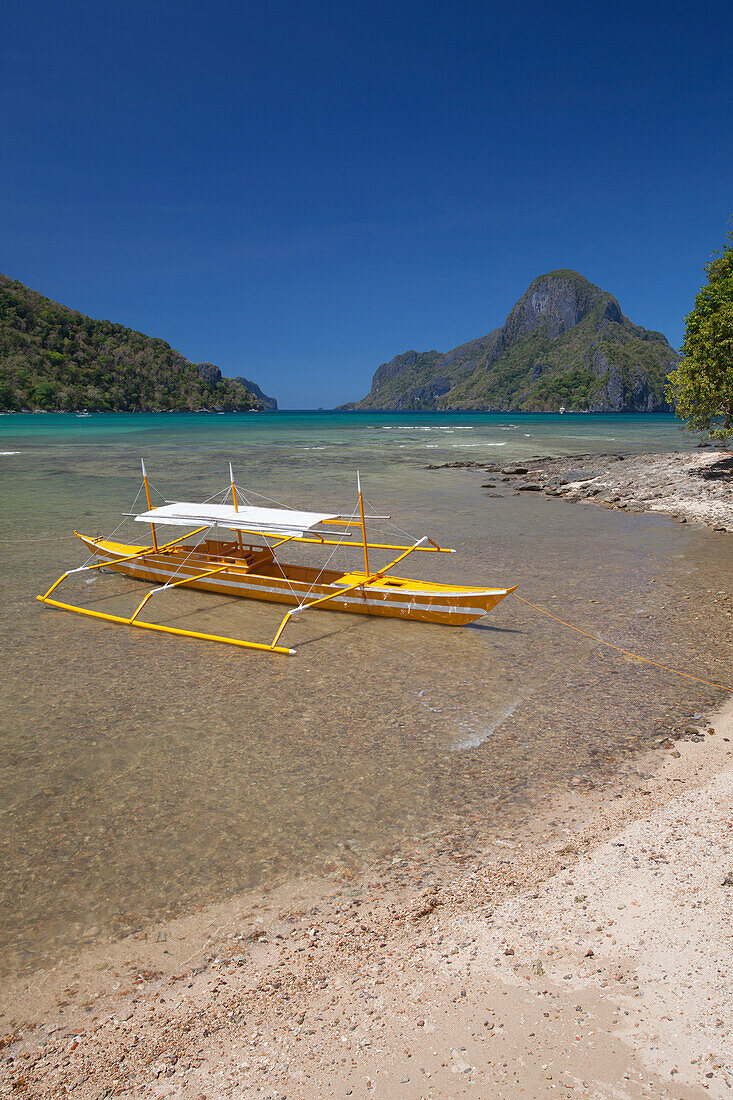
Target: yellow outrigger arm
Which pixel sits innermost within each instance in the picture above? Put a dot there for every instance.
(133, 620)
(163, 629)
(116, 561)
(370, 579)
(143, 624)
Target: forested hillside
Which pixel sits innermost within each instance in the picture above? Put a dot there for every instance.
(54, 358)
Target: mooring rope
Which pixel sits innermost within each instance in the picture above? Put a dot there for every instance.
(627, 652)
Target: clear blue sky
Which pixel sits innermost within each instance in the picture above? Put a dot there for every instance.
(298, 191)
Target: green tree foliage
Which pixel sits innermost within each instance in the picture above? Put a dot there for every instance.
(55, 359)
(702, 385)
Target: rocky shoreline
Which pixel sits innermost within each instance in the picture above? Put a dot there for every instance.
(688, 487)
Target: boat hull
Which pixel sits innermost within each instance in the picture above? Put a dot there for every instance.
(393, 596)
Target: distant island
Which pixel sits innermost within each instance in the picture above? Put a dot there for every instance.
(565, 343)
(54, 359)
(266, 402)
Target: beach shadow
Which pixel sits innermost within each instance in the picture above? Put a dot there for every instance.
(718, 471)
(495, 629)
(327, 634)
(233, 602)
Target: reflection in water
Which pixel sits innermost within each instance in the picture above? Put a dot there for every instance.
(141, 774)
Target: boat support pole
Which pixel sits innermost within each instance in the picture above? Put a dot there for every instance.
(165, 629)
(396, 561)
(363, 523)
(314, 603)
(174, 584)
(133, 619)
(143, 625)
(115, 561)
(342, 591)
(150, 507)
(233, 488)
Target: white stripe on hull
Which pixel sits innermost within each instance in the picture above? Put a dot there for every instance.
(291, 591)
(260, 589)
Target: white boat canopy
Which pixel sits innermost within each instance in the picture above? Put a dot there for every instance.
(282, 522)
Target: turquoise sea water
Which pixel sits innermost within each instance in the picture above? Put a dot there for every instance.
(515, 433)
(142, 774)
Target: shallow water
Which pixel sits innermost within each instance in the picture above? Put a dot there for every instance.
(141, 774)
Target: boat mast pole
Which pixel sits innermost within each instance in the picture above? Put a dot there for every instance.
(363, 524)
(233, 487)
(147, 497)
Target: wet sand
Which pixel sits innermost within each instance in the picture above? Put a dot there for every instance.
(589, 956)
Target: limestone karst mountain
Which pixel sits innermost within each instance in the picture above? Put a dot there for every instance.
(565, 342)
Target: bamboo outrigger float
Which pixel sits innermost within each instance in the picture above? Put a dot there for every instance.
(235, 556)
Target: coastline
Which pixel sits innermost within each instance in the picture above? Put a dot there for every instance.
(431, 975)
(688, 487)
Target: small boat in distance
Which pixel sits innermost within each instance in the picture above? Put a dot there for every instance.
(83, 413)
(561, 409)
(235, 555)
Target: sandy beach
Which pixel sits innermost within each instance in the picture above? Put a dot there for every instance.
(590, 958)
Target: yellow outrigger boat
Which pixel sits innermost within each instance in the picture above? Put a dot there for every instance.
(246, 565)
